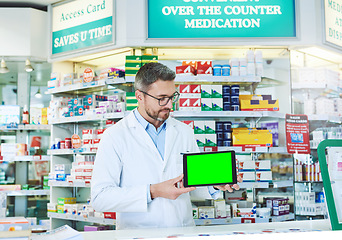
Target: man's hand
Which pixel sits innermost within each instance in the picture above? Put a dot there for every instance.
(169, 188)
(228, 187)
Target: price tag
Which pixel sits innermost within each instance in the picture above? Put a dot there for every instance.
(37, 157)
(76, 141)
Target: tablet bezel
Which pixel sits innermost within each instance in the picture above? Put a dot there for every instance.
(185, 169)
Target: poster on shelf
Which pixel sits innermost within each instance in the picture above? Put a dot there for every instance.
(297, 134)
(221, 18)
(79, 25)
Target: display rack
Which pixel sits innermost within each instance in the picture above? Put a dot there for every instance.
(63, 216)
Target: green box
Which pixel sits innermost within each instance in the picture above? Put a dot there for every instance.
(133, 59)
(131, 72)
(25, 187)
(149, 58)
(206, 104)
(132, 66)
(131, 101)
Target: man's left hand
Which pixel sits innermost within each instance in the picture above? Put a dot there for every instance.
(229, 187)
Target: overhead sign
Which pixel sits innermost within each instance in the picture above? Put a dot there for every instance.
(333, 21)
(297, 134)
(81, 24)
(221, 18)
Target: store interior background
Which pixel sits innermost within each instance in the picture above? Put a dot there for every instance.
(281, 66)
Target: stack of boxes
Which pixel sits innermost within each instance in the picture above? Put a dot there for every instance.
(11, 150)
(310, 203)
(279, 206)
(131, 101)
(205, 132)
(195, 97)
(250, 171)
(191, 68)
(38, 115)
(134, 63)
(224, 134)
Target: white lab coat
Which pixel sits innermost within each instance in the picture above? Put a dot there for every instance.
(127, 162)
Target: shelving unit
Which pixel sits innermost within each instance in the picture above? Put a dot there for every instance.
(63, 216)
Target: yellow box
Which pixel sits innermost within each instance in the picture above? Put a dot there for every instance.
(60, 208)
(252, 137)
(62, 201)
(44, 111)
(258, 103)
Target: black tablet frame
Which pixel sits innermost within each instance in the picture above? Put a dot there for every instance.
(185, 169)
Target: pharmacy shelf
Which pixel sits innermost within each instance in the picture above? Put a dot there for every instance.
(54, 183)
(213, 114)
(232, 114)
(300, 85)
(282, 183)
(68, 151)
(210, 79)
(25, 158)
(86, 118)
(283, 218)
(81, 218)
(213, 221)
(256, 150)
(86, 87)
(26, 127)
(322, 117)
(254, 184)
(19, 193)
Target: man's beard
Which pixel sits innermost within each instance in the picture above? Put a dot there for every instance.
(155, 115)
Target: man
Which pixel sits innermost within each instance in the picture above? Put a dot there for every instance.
(138, 166)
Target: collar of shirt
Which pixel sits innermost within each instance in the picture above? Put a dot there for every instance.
(146, 125)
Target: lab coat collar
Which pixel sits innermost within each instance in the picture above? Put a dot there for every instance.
(170, 136)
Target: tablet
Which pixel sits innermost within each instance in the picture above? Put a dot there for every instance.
(209, 168)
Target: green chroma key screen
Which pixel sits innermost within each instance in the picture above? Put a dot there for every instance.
(209, 168)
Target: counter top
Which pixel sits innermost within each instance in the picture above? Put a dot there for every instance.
(312, 228)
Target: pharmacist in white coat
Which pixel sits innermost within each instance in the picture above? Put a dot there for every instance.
(138, 166)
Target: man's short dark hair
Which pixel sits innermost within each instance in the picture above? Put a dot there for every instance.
(150, 73)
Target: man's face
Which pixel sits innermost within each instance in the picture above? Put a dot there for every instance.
(158, 89)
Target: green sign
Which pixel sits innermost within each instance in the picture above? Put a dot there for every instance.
(81, 24)
(82, 36)
(221, 18)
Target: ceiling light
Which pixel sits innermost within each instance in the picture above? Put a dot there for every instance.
(28, 67)
(38, 94)
(3, 68)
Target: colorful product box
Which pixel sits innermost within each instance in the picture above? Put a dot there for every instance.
(216, 91)
(205, 91)
(199, 127)
(210, 140)
(133, 59)
(148, 59)
(190, 104)
(210, 127)
(204, 67)
(247, 176)
(263, 176)
(258, 103)
(264, 165)
(189, 123)
(206, 212)
(200, 140)
(252, 137)
(185, 70)
(206, 104)
(246, 165)
(62, 201)
(79, 111)
(217, 104)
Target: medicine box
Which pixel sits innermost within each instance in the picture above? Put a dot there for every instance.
(216, 91)
(205, 91)
(247, 176)
(217, 104)
(220, 208)
(210, 140)
(200, 140)
(206, 212)
(263, 165)
(14, 224)
(199, 127)
(210, 127)
(62, 201)
(263, 176)
(195, 212)
(246, 165)
(206, 104)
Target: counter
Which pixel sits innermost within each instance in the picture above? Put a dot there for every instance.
(315, 229)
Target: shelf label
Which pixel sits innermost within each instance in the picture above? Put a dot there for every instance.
(297, 134)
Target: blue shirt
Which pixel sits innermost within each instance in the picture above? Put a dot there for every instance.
(157, 135)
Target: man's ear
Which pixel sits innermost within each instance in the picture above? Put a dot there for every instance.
(138, 95)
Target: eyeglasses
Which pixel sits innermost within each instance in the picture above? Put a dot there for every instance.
(164, 100)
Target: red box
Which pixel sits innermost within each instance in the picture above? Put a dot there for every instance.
(191, 63)
(204, 64)
(189, 102)
(111, 215)
(189, 88)
(189, 123)
(187, 69)
(204, 70)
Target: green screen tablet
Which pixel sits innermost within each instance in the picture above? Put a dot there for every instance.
(209, 168)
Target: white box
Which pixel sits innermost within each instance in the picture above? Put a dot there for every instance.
(246, 165)
(206, 212)
(263, 165)
(220, 208)
(247, 176)
(263, 176)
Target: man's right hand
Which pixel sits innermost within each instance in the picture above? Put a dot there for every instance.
(169, 189)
